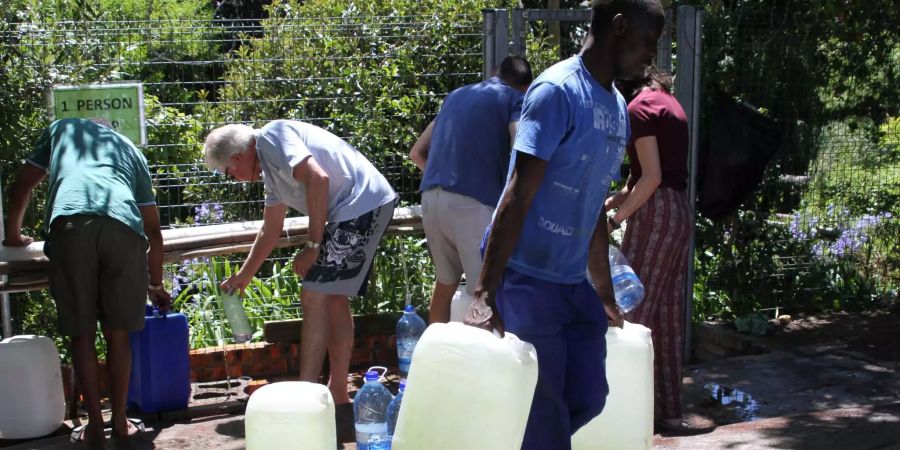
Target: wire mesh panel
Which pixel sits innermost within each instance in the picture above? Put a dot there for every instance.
(821, 230)
(374, 80)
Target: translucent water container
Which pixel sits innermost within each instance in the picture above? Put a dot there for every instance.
(290, 415)
(467, 389)
(237, 317)
(409, 328)
(370, 414)
(394, 409)
(459, 305)
(32, 403)
(626, 422)
(160, 368)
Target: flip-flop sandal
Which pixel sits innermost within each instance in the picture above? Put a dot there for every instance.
(77, 434)
(138, 425)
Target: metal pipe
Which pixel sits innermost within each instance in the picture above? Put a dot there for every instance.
(692, 34)
(5, 308)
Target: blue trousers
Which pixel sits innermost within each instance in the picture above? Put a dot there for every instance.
(567, 325)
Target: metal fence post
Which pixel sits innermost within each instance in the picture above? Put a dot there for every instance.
(664, 45)
(495, 26)
(518, 32)
(687, 90)
(5, 309)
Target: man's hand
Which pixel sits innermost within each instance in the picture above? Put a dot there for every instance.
(18, 241)
(237, 282)
(161, 299)
(483, 313)
(304, 260)
(615, 314)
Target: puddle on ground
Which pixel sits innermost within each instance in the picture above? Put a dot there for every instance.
(736, 400)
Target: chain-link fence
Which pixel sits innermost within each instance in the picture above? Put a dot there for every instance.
(375, 81)
(821, 230)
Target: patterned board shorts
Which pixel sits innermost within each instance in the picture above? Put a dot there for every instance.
(348, 250)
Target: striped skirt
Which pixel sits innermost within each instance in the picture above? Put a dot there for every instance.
(656, 244)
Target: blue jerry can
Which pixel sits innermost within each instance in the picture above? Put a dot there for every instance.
(160, 369)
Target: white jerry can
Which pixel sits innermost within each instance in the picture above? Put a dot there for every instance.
(32, 402)
(467, 389)
(290, 415)
(626, 422)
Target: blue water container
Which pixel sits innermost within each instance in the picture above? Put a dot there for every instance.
(160, 368)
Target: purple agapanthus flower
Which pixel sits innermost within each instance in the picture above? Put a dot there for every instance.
(208, 213)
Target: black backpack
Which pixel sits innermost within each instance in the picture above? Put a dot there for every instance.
(732, 163)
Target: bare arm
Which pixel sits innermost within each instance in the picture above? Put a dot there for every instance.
(419, 152)
(598, 265)
(523, 185)
(28, 178)
(651, 176)
(513, 129)
(273, 222)
(150, 217)
(311, 174)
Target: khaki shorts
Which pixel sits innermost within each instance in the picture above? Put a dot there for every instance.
(98, 271)
(454, 225)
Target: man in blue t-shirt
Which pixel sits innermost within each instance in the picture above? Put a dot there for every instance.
(550, 224)
(464, 154)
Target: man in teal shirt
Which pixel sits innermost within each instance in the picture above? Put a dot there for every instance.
(100, 215)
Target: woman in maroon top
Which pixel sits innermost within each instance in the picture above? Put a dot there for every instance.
(659, 221)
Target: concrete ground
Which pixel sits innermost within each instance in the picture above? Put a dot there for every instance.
(812, 395)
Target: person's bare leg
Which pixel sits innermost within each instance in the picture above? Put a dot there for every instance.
(314, 335)
(118, 361)
(84, 360)
(439, 311)
(340, 346)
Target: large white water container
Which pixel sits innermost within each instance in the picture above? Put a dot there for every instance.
(626, 422)
(467, 389)
(459, 305)
(32, 403)
(290, 415)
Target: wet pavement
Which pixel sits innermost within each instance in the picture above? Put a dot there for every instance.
(807, 397)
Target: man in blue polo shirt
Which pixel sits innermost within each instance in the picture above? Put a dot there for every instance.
(550, 224)
(464, 154)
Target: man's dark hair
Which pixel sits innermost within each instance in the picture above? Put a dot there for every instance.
(603, 12)
(515, 71)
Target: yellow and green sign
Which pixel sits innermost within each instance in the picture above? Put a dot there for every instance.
(121, 104)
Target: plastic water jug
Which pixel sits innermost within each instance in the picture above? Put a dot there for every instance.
(370, 408)
(160, 368)
(237, 317)
(459, 305)
(409, 328)
(627, 288)
(32, 403)
(468, 389)
(626, 422)
(290, 415)
(394, 409)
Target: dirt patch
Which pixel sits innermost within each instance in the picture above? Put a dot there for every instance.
(874, 334)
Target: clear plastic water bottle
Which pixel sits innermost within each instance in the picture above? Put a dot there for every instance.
(370, 409)
(237, 317)
(627, 288)
(394, 410)
(409, 328)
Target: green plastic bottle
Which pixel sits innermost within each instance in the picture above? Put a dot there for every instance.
(236, 316)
